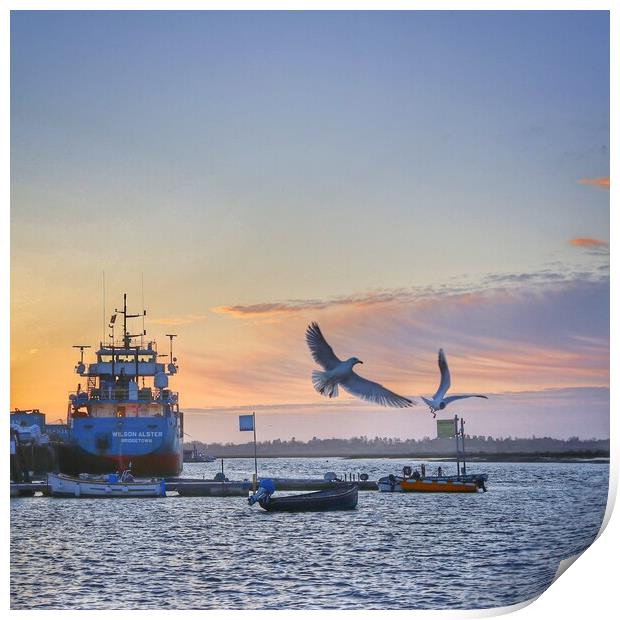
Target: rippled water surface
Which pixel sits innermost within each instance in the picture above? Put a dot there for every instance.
(396, 551)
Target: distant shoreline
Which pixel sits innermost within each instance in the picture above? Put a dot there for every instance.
(567, 457)
(500, 458)
(477, 448)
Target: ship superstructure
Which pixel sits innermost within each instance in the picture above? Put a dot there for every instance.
(123, 414)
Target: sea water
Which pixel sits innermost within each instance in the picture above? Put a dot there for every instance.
(395, 551)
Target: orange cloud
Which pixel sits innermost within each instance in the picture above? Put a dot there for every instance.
(599, 182)
(588, 242)
(300, 305)
(267, 308)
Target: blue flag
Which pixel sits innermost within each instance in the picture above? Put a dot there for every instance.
(246, 422)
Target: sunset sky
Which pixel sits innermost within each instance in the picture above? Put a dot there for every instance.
(409, 181)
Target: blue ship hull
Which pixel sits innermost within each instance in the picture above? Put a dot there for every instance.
(152, 446)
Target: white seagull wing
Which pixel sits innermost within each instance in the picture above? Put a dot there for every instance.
(373, 392)
(451, 398)
(322, 353)
(444, 385)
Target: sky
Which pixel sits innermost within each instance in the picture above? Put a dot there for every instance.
(409, 180)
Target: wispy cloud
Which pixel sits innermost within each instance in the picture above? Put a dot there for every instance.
(272, 308)
(597, 182)
(464, 291)
(299, 305)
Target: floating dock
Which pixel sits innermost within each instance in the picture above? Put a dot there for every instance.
(210, 488)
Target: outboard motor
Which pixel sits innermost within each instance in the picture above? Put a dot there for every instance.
(266, 488)
(393, 481)
(407, 471)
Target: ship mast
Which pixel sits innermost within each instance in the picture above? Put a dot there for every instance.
(126, 335)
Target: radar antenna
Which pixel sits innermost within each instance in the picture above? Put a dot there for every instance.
(80, 367)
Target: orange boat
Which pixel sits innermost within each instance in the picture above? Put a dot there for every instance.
(428, 485)
(433, 484)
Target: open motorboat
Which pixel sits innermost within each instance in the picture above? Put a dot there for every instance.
(414, 482)
(433, 484)
(112, 485)
(339, 498)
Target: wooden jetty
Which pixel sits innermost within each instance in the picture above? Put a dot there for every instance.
(319, 484)
(28, 489)
(209, 488)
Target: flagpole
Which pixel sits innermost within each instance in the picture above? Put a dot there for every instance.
(463, 445)
(255, 459)
(456, 436)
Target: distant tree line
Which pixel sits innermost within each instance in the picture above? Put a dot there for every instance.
(393, 446)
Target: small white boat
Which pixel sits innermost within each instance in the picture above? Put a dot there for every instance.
(61, 485)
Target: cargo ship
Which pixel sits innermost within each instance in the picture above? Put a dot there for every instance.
(123, 414)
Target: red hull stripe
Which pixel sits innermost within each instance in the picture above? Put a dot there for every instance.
(77, 462)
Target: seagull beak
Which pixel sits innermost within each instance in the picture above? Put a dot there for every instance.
(360, 362)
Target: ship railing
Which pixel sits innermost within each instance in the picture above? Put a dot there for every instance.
(115, 394)
(119, 343)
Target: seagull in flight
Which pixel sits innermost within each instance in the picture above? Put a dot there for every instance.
(341, 373)
(440, 401)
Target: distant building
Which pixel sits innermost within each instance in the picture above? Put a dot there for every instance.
(28, 417)
(57, 432)
(33, 417)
